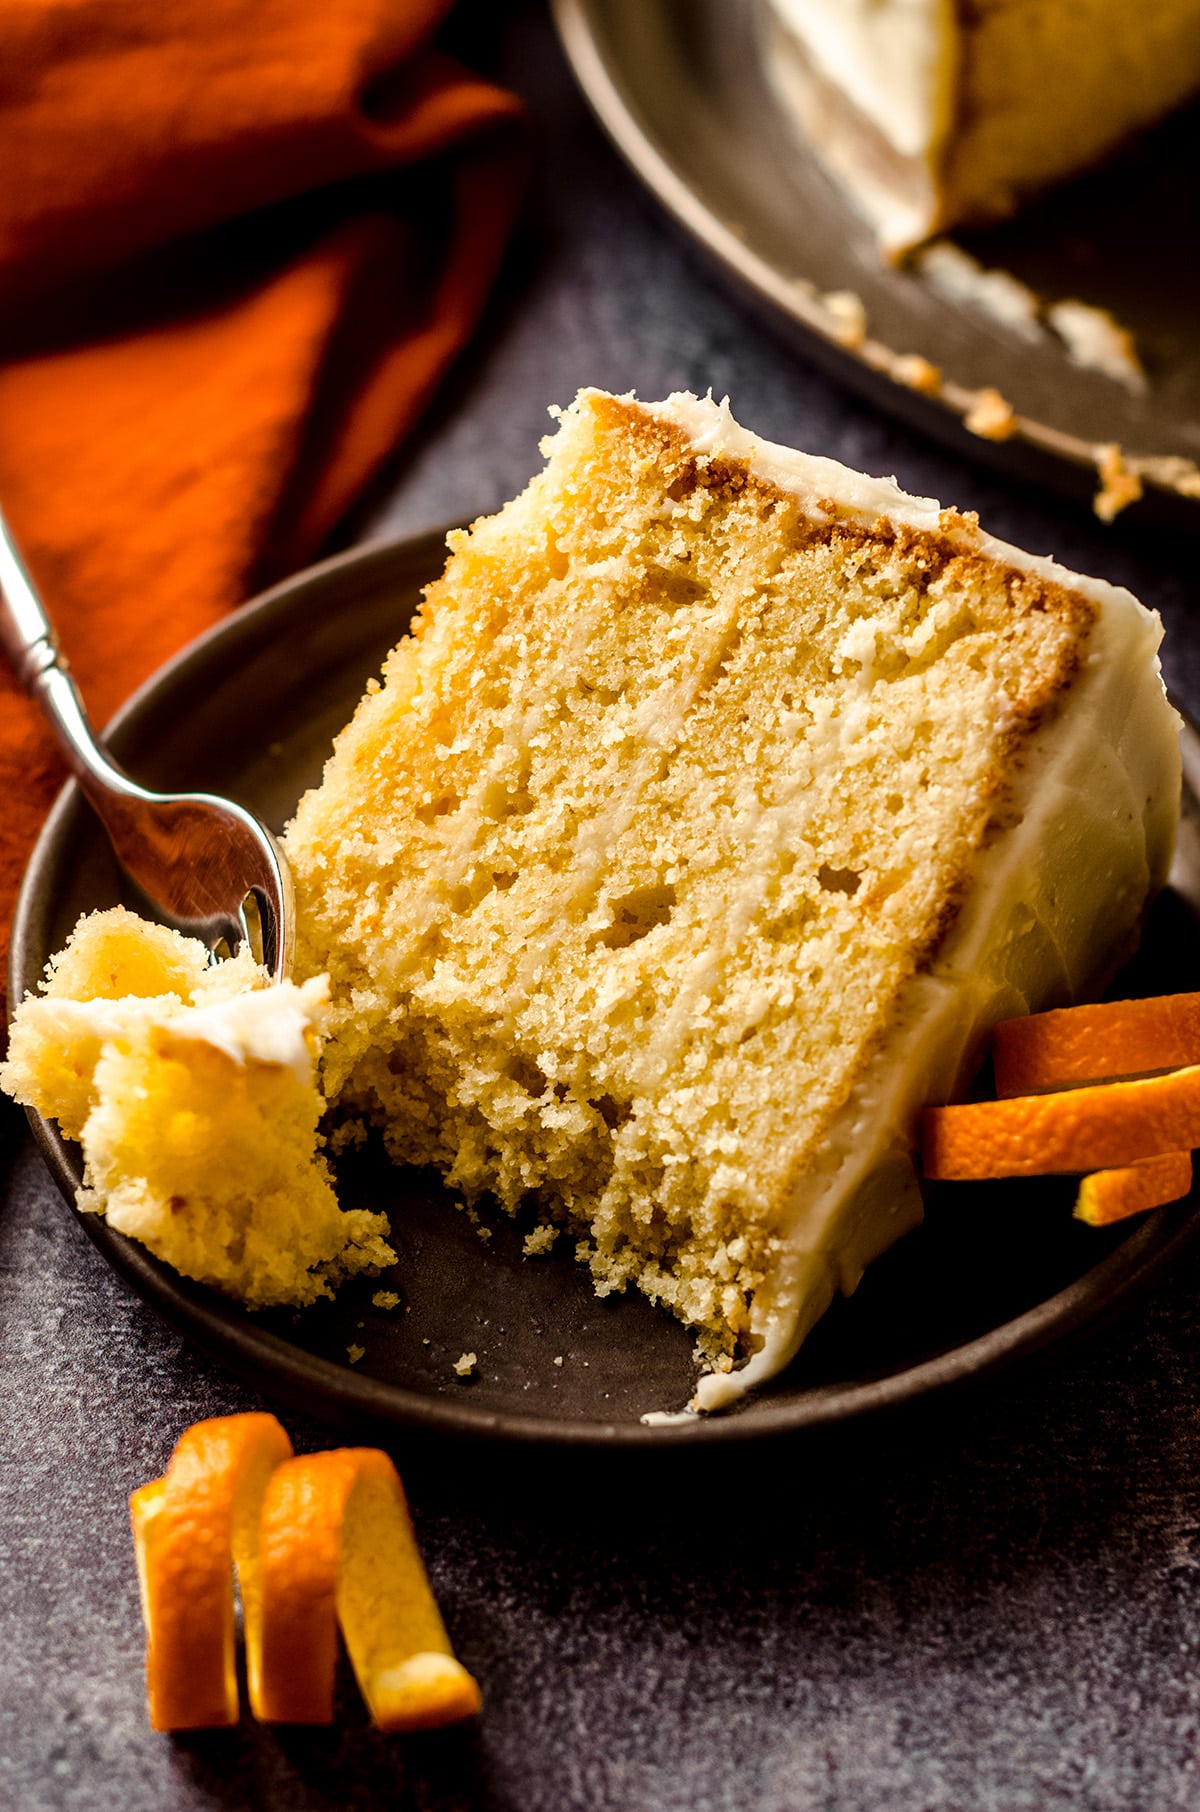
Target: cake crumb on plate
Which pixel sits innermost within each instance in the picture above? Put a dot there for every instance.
(991, 416)
(1119, 484)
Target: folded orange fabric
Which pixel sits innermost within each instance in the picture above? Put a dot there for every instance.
(240, 241)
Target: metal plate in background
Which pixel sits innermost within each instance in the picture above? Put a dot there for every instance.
(680, 86)
(997, 1273)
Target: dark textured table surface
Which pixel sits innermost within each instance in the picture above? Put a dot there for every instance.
(995, 1604)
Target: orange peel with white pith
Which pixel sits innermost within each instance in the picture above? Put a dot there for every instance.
(190, 1528)
(1074, 1045)
(1113, 1195)
(338, 1546)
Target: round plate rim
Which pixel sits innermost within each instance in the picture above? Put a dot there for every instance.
(340, 1394)
(1059, 455)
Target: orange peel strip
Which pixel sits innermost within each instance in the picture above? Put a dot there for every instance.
(338, 1546)
(1112, 1195)
(189, 1529)
(1086, 1044)
(1081, 1129)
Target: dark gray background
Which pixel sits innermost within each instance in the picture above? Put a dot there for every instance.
(994, 1604)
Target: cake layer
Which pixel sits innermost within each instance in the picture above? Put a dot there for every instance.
(650, 881)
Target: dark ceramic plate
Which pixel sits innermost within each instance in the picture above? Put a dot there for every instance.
(680, 86)
(996, 1273)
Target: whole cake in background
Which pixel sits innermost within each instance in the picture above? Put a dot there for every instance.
(719, 803)
(939, 113)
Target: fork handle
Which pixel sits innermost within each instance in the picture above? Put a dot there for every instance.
(26, 632)
(28, 638)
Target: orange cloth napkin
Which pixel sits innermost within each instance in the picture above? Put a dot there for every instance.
(240, 241)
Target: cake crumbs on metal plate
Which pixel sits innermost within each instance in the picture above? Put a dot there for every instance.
(1096, 342)
(849, 316)
(991, 416)
(917, 373)
(1120, 485)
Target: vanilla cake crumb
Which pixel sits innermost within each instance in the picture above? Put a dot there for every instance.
(991, 416)
(1120, 485)
(915, 371)
(540, 1240)
(465, 1364)
(385, 1299)
(191, 1090)
(355, 1353)
(849, 315)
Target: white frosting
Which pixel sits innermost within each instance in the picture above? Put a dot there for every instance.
(97, 1020)
(712, 431)
(275, 1025)
(1098, 343)
(892, 58)
(1054, 900)
(996, 293)
(896, 64)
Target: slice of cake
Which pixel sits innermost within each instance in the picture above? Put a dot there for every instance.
(944, 112)
(718, 804)
(191, 1090)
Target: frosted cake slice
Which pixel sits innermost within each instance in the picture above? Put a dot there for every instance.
(718, 804)
(941, 112)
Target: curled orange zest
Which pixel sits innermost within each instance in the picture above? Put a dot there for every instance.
(1112, 1195)
(1081, 1129)
(189, 1530)
(1085, 1044)
(338, 1546)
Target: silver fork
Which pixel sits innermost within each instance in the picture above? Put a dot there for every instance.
(210, 867)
